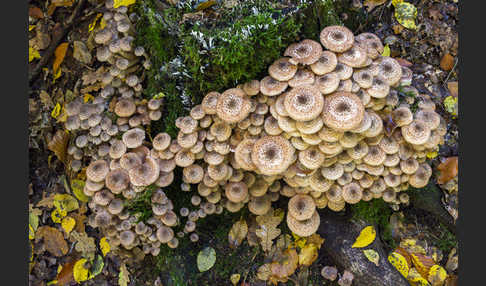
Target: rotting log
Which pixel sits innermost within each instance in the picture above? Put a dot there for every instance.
(340, 233)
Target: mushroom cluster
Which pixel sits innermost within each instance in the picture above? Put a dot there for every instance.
(94, 122)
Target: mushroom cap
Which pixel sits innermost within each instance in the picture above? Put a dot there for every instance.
(421, 177)
(402, 116)
(392, 180)
(193, 174)
(306, 227)
(416, 133)
(349, 139)
(259, 205)
(125, 107)
(271, 87)
(220, 130)
(243, 154)
(352, 193)
(375, 157)
(391, 160)
(390, 70)
(117, 149)
(233, 105)
(389, 145)
(117, 180)
(409, 166)
(218, 172)
(310, 126)
(372, 43)
(116, 206)
(311, 158)
(236, 191)
(379, 87)
(272, 154)
(325, 64)
(184, 158)
(343, 71)
(169, 218)
(319, 183)
(336, 206)
(271, 126)
(302, 77)
(376, 126)
(342, 111)
(353, 57)
(301, 207)
(304, 52)
(97, 170)
(130, 160)
(252, 87)
(209, 102)
(358, 151)
(164, 234)
(127, 237)
(303, 103)
(327, 83)
(429, 117)
(282, 69)
(187, 140)
(133, 137)
(161, 141)
(389, 195)
(337, 38)
(145, 174)
(363, 77)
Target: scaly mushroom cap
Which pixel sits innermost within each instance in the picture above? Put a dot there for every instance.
(301, 207)
(375, 157)
(193, 174)
(303, 103)
(306, 227)
(117, 149)
(117, 180)
(421, 177)
(184, 158)
(127, 237)
(243, 154)
(252, 87)
(390, 70)
(282, 69)
(271, 87)
(164, 234)
(353, 57)
(161, 141)
(409, 166)
(402, 116)
(389, 145)
(233, 105)
(133, 137)
(416, 132)
(209, 102)
(337, 38)
(309, 127)
(319, 183)
(218, 172)
(272, 154)
(304, 52)
(342, 111)
(97, 171)
(311, 158)
(130, 160)
(271, 126)
(327, 83)
(236, 191)
(333, 172)
(125, 107)
(259, 205)
(363, 77)
(302, 77)
(145, 174)
(429, 117)
(372, 43)
(325, 64)
(379, 87)
(352, 193)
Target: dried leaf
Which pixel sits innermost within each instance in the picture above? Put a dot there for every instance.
(403, 62)
(206, 259)
(447, 62)
(386, 51)
(283, 241)
(235, 278)
(437, 275)
(46, 99)
(372, 256)
(264, 272)
(415, 279)
(399, 262)
(371, 4)
(59, 55)
(84, 244)
(308, 254)
(104, 246)
(365, 238)
(66, 276)
(267, 228)
(118, 3)
(33, 54)
(237, 233)
(448, 169)
(53, 240)
(58, 144)
(68, 224)
(80, 271)
(47, 201)
(77, 187)
(282, 269)
(453, 87)
(422, 263)
(36, 12)
(205, 5)
(63, 3)
(405, 13)
(123, 277)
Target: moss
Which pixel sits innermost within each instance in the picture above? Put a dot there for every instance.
(378, 213)
(141, 205)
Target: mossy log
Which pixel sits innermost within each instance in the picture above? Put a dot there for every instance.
(340, 233)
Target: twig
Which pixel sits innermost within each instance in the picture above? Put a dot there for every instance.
(67, 25)
(449, 75)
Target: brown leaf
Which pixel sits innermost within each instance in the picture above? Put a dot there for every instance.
(237, 233)
(47, 201)
(66, 277)
(371, 4)
(447, 62)
(453, 87)
(403, 62)
(286, 266)
(397, 29)
(58, 144)
(422, 263)
(36, 12)
(80, 218)
(53, 240)
(448, 169)
(46, 99)
(451, 280)
(59, 55)
(62, 3)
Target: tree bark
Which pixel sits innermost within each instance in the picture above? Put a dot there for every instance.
(339, 234)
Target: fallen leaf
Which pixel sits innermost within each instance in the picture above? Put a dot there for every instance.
(403, 62)
(59, 55)
(399, 262)
(447, 62)
(437, 275)
(416, 279)
(77, 187)
(65, 276)
(46, 99)
(205, 5)
(31, 27)
(36, 12)
(57, 75)
(206, 259)
(372, 256)
(57, 215)
(97, 266)
(81, 52)
(68, 224)
(58, 144)
(237, 233)
(316, 239)
(104, 246)
(118, 3)
(47, 202)
(405, 13)
(432, 154)
(308, 254)
(33, 54)
(422, 263)
(282, 269)
(365, 238)
(31, 232)
(84, 244)
(264, 272)
(267, 228)
(92, 25)
(123, 277)
(53, 240)
(386, 51)
(63, 3)
(448, 169)
(65, 202)
(453, 87)
(80, 271)
(235, 278)
(371, 4)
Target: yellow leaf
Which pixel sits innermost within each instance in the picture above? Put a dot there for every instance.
(235, 278)
(159, 95)
(104, 246)
(118, 3)
(415, 279)
(299, 241)
(57, 75)
(80, 273)
(437, 275)
(308, 254)
(68, 224)
(450, 104)
(432, 154)
(92, 25)
(205, 4)
(405, 13)
(237, 233)
(372, 256)
(102, 23)
(399, 262)
(53, 282)
(395, 2)
(59, 55)
(316, 239)
(123, 278)
(33, 54)
(386, 51)
(65, 202)
(365, 238)
(31, 232)
(31, 27)
(57, 215)
(77, 187)
(87, 97)
(56, 111)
